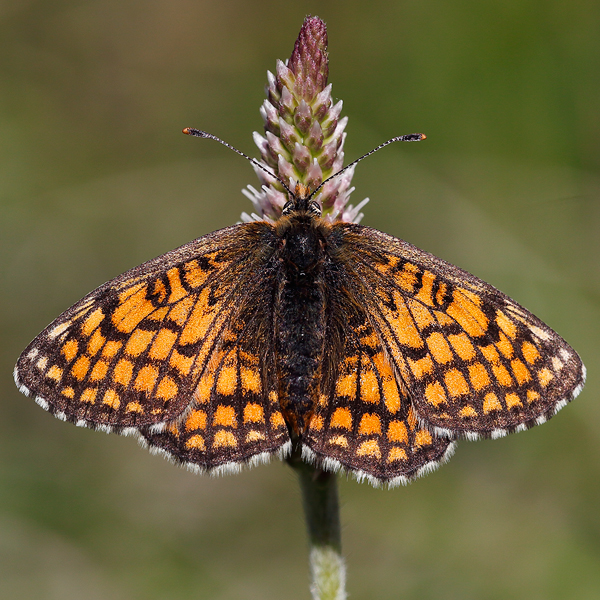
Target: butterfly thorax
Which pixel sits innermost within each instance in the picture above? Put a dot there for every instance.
(300, 315)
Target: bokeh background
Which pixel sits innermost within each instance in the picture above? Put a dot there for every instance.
(95, 177)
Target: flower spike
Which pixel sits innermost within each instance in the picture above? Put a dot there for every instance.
(303, 139)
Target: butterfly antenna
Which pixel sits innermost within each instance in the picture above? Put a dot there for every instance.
(411, 137)
(203, 134)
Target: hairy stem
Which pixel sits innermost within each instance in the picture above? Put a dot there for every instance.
(322, 514)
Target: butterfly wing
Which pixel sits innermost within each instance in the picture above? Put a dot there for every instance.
(235, 413)
(365, 421)
(132, 354)
(475, 362)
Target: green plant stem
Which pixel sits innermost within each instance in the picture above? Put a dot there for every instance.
(322, 514)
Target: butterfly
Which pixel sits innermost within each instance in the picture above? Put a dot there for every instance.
(334, 339)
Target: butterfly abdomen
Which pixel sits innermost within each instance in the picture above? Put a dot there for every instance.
(300, 319)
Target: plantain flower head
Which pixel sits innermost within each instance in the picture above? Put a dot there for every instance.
(304, 136)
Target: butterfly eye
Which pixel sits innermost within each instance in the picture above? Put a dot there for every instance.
(314, 208)
(288, 207)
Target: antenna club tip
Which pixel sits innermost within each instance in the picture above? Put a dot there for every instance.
(423, 136)
(195, 132)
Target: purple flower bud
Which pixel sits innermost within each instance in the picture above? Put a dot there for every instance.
(273, 94)
(301, 157)
(286, 170)
(309, 61)
(303, 117)
(262, 144)
(270, 117)
(287, 105)
(327, 155)
(285, 77)
(330, 121)
(314, 175)
(276, 147)
(289, 136)
(314, 139)
(322, 103)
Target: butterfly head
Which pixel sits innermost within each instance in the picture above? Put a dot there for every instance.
(301, 200)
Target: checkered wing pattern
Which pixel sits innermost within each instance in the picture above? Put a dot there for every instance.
(365, 421)
(139, 352)
(235, 413)
(475, 363)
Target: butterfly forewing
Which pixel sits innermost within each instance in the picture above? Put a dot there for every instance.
(131, 353)
(474, 361)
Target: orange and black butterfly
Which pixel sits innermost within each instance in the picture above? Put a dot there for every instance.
(348, 344)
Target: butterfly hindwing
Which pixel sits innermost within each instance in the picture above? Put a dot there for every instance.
(475, 362)
(364, 420)
(235, 412)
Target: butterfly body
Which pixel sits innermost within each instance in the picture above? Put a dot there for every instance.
(368, 353)
(300, 323)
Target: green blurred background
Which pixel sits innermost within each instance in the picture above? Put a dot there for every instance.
(95, 177)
